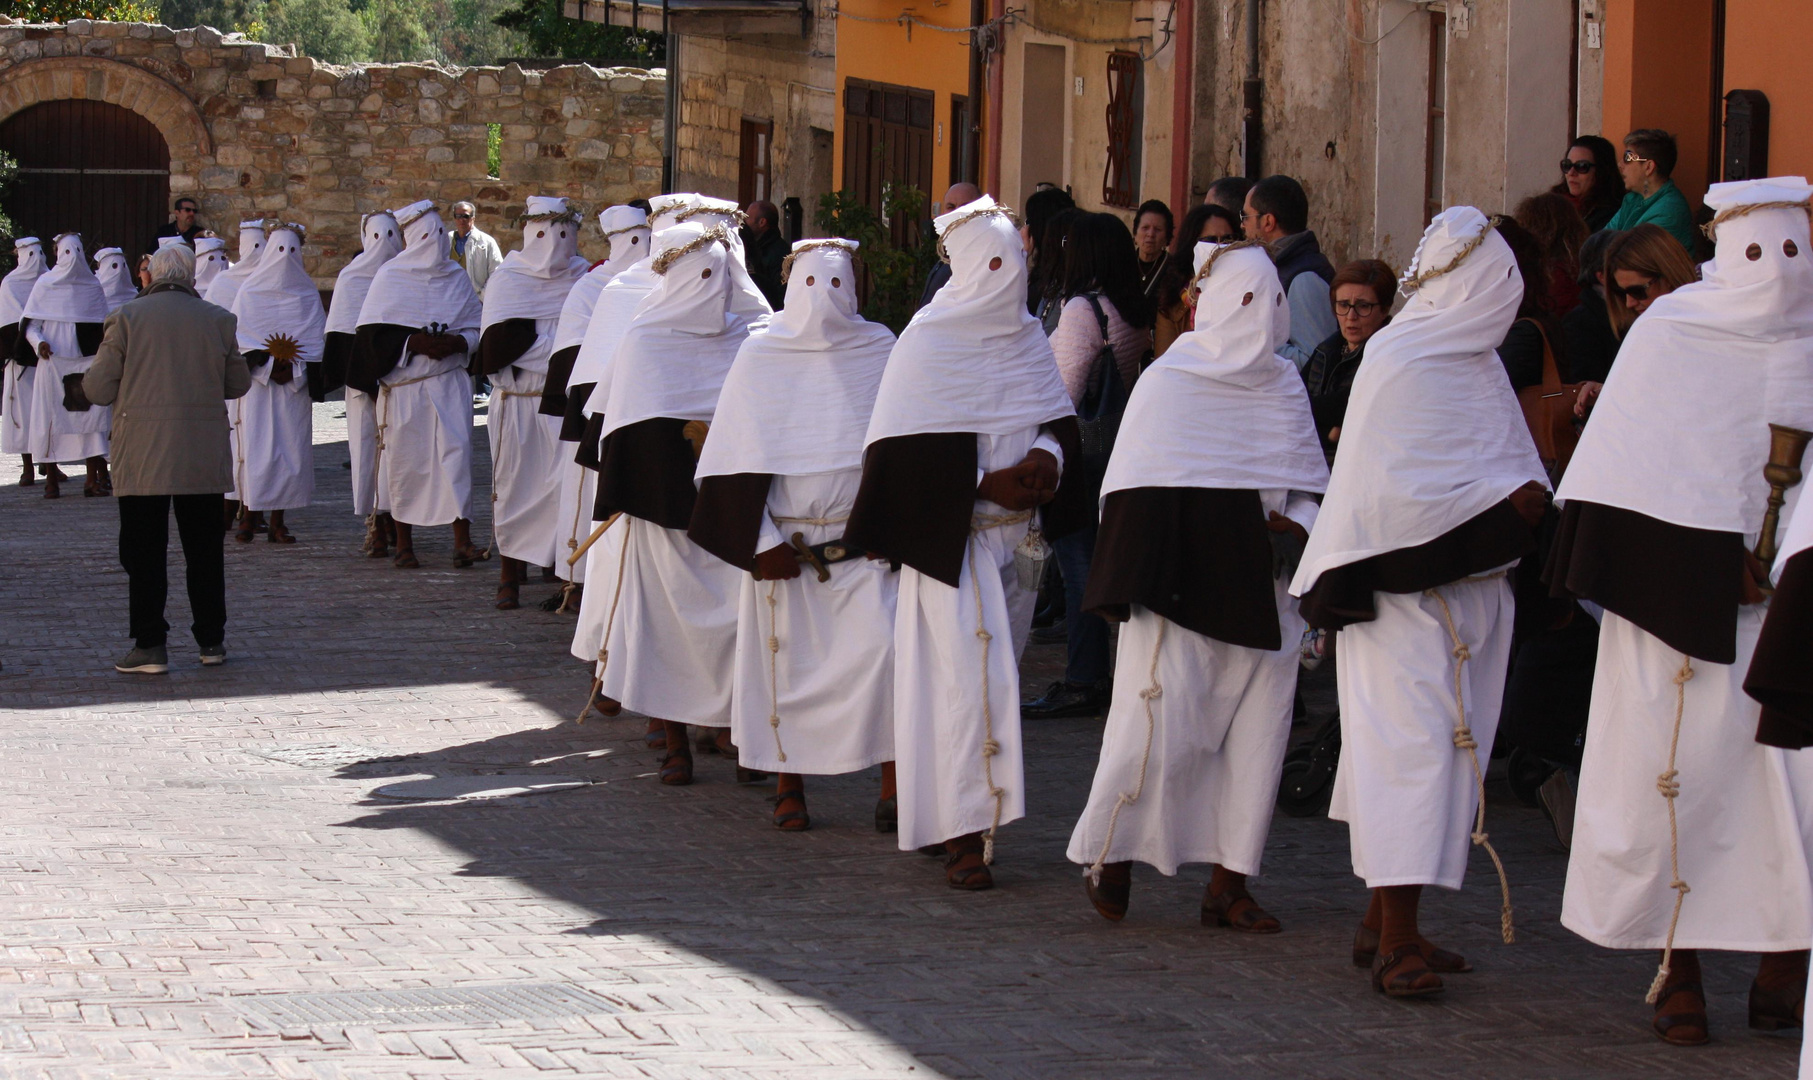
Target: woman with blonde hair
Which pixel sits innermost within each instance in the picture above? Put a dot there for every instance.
(1640, 265)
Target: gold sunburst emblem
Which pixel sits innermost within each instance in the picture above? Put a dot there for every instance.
(282, 347)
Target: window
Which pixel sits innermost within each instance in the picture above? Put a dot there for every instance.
(755, 162)
(494, 151)
(1436, 140)
(1126, 124)
(887, 139)
(957, 136)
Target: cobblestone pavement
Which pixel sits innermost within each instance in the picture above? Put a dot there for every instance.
(178, 853)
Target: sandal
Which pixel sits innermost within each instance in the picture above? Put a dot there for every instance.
(91, 488)
(1440, 961)
(750, 776)
(1237, 910)
(466, 556)
(377, 544)
(963, 865)
(1403, 974)
(280, 534)
(406, 560)
(791, 820)
(655, 738)
(246, 531)
(28, 478)
(706, 741)
(676, 770)
(1776, 1010)
(1686, 1026)
(508, 597)
(1110, 895)
(52, 487)
(887, 814)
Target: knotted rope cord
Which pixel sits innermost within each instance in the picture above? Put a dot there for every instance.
(813, 245)
(578, 508)
(1734, 212)
(12, 395)
(239, 449)
(1463, 740)
(944, 253)
(717, 234)
(982, 523)
(774, 640)
(778, 520)
(1669, 786)
(737, 217)
(604, 645)
(1415, 279)
(499, 394)
(1194, 289)
(1150, 694)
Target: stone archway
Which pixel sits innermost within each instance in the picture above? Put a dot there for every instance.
(98, 79)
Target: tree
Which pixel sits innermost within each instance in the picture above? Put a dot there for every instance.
(892, 276)
(56, 11)
(9, 171)
(551, 33)
(394, 30)
(325, 29)
(228, 15)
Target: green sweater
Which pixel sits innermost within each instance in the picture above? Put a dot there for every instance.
(1667, 208)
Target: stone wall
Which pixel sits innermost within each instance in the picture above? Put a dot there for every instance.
(256, 131)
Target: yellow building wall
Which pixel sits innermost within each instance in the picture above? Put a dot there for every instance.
(1765, 49)
(916, 57)
(1658, 74)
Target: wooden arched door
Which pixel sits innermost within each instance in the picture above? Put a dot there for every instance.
(88, 167)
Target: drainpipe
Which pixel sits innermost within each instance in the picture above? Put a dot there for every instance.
(671, 128)
(972, 118)
(997, 91)
(1183, 97)
(1252, 126)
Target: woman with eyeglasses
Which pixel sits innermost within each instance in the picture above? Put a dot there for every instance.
(1591, 181)
(1361, 293)
(1640, 265)
(1649, 158)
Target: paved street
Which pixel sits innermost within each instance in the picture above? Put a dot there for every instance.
(181, 856)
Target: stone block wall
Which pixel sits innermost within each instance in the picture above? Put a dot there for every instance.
(256, 131)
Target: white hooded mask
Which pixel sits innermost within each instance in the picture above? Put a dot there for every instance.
(746, 299)
(423, 286)
(798, 398)
(533, 282)
(16, 286)
(380, 239)
(210, 262)
(279, 297)
(625, 230)
(225, 285)
(617, 301)
(69, 291)
(115, 277)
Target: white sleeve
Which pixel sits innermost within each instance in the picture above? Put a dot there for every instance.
(769, 537)
(1047, 443)
(1303, 509)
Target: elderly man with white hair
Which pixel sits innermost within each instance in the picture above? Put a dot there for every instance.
(166, 361)
(472, 247)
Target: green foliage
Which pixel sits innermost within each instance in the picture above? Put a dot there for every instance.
(550, 33)
(325, 29)
(494, 150)
(56, 11)
(9, 171)
(395, 32)
(893, 276)
(227, 15)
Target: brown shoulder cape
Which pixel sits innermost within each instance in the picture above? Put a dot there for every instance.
(501, 345)
(1781, 671)
(554, 391)
(727, 516)
(376, 349)
(645, 470)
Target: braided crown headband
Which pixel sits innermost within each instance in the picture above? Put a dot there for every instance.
(1411, 282)
(610, 248)
(1711, 227)
(944, 253)
(813, 245)
(737, 217)
(1194, 289)
(717, 234)
(569, 214)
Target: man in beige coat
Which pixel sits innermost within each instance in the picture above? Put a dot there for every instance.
(166, 362)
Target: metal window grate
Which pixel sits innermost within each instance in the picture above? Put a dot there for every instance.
(454, 1007)
(1126, 122)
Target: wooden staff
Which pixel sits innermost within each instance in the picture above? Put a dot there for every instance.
(579, 552)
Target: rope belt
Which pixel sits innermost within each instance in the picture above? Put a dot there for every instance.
(1151, 693)
(778, 520)
(384, 390)
(1463, 740)
(604, 645)
(1668, 785)
(497, 448)
(984, 522)
(774, 640)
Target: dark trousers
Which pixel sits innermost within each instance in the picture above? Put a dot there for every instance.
(144, 552)
(1085, 636)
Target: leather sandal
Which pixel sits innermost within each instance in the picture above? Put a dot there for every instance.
(466, 556)
(963, 865)
(27, 478)
(1404, 974)
(676, 770)
(508, 597)
(706, 741)
(280, 534)
(246, 531)
(795, 820)
(1440, 961)
(1110, 895)
(750, 776)
(1237, 910)
(1776, 1010)
(1683, 1026)
(53, 486)
(887, 814)
(406, 560)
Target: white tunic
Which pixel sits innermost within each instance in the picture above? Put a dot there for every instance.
(362, 449)
(1742, 813)
(1407, 793)
(572, 511)
(61, 436)
(425, 439)
(832, 681)
(1219, 729)
(940, 723)
(602, 600)
(273, 442)
(18, 426)
(525, 457)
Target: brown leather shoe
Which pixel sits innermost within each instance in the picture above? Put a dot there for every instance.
(1680, 1018)
(963, 865)
(1111, 893)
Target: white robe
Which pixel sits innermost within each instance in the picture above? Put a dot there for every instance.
(425, 433)
(19, 425)
(362, 450)
(1220, 726)
(273, 442)
(671, 646)
(939, 721)
(572, 511)
(832, 683)
(525, 457)
(1407, 793)
(601, 603)
(1743, 811)
(60, 436)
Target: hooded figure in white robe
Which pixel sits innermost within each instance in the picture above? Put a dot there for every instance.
(813, 687)
(21, 368)
(971, 411)
(210, 261)
(670, 645)
(282, 329)
(1662, 504)
(115, 276)
(626, 235)
(1217, 454)
(225, 284)
(380, 238)
(1410, 560)
(523, 299)
(416, 329)
(62, 325)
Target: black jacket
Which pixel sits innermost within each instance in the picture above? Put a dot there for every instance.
(1328, 376)
(763, 256)
(1591, 342)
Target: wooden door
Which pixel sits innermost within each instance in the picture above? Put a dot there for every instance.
(888, 139)
(88, 167)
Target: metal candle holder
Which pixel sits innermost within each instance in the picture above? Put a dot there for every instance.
(1787, 446)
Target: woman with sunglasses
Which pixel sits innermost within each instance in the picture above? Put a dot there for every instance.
(1640, 265)
(1591, 181)
(1649, 158)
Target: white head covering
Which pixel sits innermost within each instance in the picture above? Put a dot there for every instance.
(68, 292)
(797, 399)
(618, 301)
(380, 238)
(423, 286)
(625, 230)
(210, 261)
(682, 339)
(1680, 432)
(533, 283)
(279, 297)
(16, 286)
(169, 241)
(1433, 435)
(115, 277)
(746, 299)
(973, 359)
(1221, 408)
(226, 284)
